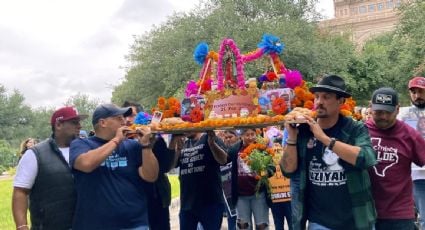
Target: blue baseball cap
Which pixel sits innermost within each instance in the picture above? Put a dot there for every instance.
(109, 110)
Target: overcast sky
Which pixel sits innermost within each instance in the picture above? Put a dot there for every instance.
(52, 50)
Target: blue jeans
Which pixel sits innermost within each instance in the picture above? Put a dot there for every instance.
(253, 205)
(210, 216)
(231, 220)
(296, 204)
(419, 195)
(281, 211)
(316, 226)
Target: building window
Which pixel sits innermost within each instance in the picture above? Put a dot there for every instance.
(345, 11)
(397, 3)
(362, 9)
(371, 7)
(353, 11)
(340, 13)
(380, 6)
(390, 4)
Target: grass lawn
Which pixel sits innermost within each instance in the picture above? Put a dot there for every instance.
(175, 185)
(6, 218)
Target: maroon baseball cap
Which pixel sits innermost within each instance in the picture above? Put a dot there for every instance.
(66, 114)
(417, 82)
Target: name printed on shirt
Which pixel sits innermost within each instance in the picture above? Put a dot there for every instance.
(327, 172)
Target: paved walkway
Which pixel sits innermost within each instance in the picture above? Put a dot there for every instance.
(174, 216)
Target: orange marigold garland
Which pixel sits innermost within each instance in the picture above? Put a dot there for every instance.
(259, 158)
(169, 107)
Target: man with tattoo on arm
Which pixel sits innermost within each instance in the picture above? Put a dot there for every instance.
(331, 155)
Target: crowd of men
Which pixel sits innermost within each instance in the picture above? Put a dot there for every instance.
(345, 174)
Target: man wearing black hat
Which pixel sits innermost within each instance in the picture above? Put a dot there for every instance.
(330, 156)
(397, 146)
(108, 171)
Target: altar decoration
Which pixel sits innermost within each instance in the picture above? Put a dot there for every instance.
(231, 98)
(259, 159)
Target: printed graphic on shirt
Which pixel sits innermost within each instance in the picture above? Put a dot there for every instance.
(327, 172)
(243, 168)
(192, 161)
(386, 156)
(115, 161)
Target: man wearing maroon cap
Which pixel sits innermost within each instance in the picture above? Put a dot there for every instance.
(43, 175)
(412, 115)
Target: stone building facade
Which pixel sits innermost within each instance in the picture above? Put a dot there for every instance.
(363, 19)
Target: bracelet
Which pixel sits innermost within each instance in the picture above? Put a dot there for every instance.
(24, 225)
(148, 146)
(115, 141)
(291, 142)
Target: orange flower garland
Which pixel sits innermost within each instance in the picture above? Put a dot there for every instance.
(169, 107)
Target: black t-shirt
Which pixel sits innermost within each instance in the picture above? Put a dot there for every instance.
(200, 182)
(328, 200)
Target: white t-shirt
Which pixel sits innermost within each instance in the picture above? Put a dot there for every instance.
(411, 115)
(28, 168)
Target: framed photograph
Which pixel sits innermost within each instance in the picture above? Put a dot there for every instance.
(157, 116)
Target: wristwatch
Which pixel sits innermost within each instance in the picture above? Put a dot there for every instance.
(332, 143)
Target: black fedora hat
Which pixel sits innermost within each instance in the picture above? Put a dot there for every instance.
(331, 83)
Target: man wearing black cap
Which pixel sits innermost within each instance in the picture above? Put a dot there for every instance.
(330, 156)
(414, 115)
(397, 146)
(108, 171)
(44, 180)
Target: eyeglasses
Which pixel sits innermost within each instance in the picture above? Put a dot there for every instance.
(73, 122)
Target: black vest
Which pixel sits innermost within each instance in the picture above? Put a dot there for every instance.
(53, 195)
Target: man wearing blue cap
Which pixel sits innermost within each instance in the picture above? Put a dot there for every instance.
(109, 171)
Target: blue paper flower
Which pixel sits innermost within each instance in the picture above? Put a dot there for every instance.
(262, 78)
(263, 101)
(142, 118)
(271, 44)
(201, 52)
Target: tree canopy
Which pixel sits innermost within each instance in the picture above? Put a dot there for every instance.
(161, 61)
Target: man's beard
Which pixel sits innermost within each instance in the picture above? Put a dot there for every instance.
(420, 104)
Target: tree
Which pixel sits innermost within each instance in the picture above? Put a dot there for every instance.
(392, 58)
(161, 60)
(84, 105)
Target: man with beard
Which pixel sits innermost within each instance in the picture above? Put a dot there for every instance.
(201, 195)
(412, 115)
(330, 156)
(397, 146)
(44, 176)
